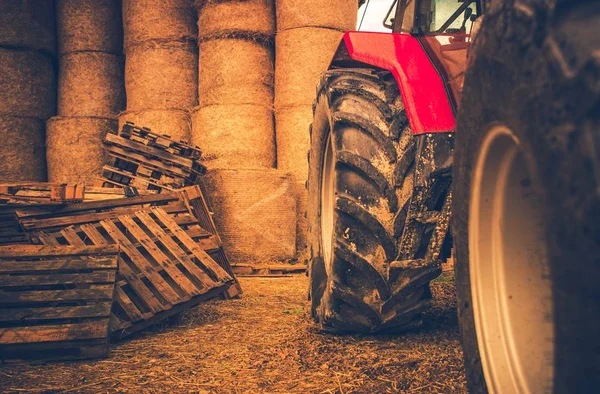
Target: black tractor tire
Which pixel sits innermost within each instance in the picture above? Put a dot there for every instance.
(370, 172)
(535, 68)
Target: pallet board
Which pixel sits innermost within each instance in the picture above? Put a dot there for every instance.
(162, 269)
(55, 301)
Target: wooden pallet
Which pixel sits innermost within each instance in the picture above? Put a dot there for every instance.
(34, 193)
(55, 301)
(162, 270)
(161, 141)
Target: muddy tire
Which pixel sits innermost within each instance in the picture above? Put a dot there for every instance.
(360, 185)
(526, 220)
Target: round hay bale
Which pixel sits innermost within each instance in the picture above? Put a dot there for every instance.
(74, 148)
(255, 213)
(302, 56)
(89, 25)
(234, 71)
(22, 155)
(27, 83)
(28, 24)
(91, 84)
(301, 220)
(235, 136)
(333, 14)
(218, 17)
(161, 76)
(160, 21)
(173, 122)
(293, 139)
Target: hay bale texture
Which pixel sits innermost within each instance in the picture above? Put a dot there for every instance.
(332, 14)
(302, 56)
(301, 220)
(174, 122)
(91, 84)
(293, 139)
(235, 71)
(27, 83)
(74, 149)
(28, 24)
(255, 213)
(235, 136)
(22, 156)
(158, 21)
(159, 76)
(217, 18)
(89, 25)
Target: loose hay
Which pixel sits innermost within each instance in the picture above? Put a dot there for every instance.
(295, 80)
(161, 21)
(74, 148)
(235, 136)
(28, 24)
(91, 84)
(161, 76)
(216, 17)
(255, 212)
(27, 83)
(22, 155)
(293, 139)
(89, 25)
(174, 122)
(234, 71)
(333, 14)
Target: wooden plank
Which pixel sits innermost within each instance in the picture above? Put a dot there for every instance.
(27, 251)
(72, 237)
(93, 293)
(71, 265)
(52, 313)
(132, 311)
(53, 333)
(16, 280)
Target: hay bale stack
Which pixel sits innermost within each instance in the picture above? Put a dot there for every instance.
(235, 71)
(89, 25)
(22, 154)
(158, 21)
(28, 84)
(28, 24)
(74, 149)
(160, 76)
(219, 17)
(235, 136)
(173, 122)
(254, 211)
(332, 14)
(90, 84)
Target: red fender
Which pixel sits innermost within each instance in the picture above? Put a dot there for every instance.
(425, 98)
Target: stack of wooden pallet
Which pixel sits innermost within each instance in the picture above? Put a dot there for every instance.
(141, 158)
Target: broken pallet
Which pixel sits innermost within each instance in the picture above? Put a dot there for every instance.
(55, 301)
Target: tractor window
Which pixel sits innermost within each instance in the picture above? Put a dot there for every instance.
(451, 16)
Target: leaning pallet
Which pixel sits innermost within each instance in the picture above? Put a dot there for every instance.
(162, 271)
(55, 301)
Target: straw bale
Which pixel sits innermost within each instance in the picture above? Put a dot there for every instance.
(255, 213)
(333, 14)
(302, 56)
(301, 220)
(28, 24)
(89, 25)
(235, 136)
(293, 139)
(162, 21)
(216, 17)
(176, 123)
(22, 156)
(27, 84)
(74, 148)
(90, 84)
(160, 76)
(234, 71)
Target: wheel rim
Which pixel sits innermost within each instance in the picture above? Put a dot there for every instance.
(327, 202)
(509, 274)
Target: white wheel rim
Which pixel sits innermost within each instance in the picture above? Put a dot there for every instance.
(327, 202)
(509, 274)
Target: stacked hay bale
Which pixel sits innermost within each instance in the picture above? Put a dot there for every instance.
(233, 125)
(308, 34)
(28, 85)
(90, 88)
(161, 65)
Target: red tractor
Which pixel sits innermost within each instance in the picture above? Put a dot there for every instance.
(519, 174)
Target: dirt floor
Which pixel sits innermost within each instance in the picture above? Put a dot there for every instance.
(264, 342)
